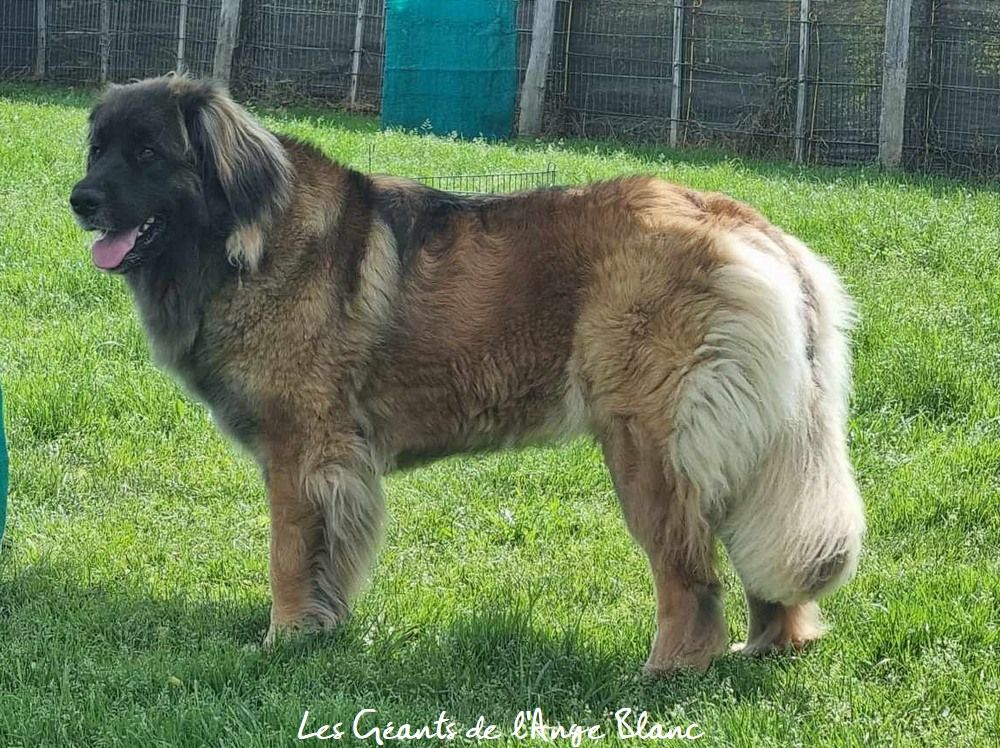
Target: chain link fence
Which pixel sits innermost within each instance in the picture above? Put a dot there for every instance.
(611, 72)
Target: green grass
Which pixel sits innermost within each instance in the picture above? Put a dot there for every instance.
(133, 581)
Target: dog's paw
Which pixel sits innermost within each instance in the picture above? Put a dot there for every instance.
(753, 648)
(274, 635)
(762, 647)
(781, 629)
(693, 662)
(691, 655)
(298, 629)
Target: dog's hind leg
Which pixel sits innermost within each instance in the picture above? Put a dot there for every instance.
(794, 535)
(690, 626)
(795, 527)
(776, 626)
(326, 522)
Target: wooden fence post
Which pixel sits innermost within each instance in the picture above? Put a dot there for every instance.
(894, 70)
(359, 30)
(41, 42)
(181, 35)
(533, 88)
(225, 44)
(678, 61)
(105, 41)
(802, 94)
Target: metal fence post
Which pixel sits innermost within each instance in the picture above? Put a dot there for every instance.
(894, 70)
(802, 95)
(928, 117)
(225, 44)
(678, 60)
(533, 88)
(41, 42)
(105, 41)
(181, 35)
(359, 30)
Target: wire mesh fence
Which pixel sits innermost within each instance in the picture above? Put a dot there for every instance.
(739, 69)
(320, 50)
(481, 184)
(18, 38)
(324, 50)
(953, 98)
(86, 41)
(845, 80)
(737, 65)
(742, 61)
(617, 81)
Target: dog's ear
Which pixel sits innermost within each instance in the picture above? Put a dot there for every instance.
(250, 164)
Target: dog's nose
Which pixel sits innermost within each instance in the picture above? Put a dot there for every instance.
(85, 200)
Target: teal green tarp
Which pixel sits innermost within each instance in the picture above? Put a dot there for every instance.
(3, 471)
(451, 65)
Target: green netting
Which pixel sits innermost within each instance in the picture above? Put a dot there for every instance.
(451, 66)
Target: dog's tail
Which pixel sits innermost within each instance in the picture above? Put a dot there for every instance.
(758, 436)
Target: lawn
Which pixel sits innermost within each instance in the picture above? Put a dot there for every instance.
(133, 578)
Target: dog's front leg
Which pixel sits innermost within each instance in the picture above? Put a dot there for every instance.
(326, 521)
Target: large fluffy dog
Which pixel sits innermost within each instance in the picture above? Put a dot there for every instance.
(340, 325)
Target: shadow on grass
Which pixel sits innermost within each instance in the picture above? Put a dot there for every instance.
(496, 662)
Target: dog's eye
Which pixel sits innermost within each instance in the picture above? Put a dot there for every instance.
(95, 151)
(147, 154)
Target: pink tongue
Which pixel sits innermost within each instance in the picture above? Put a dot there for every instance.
(109, 251)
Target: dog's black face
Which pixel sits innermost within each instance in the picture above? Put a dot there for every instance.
(174, 168)
(144, 192)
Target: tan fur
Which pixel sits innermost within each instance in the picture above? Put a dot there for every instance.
(379, 324)
(246, 245)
